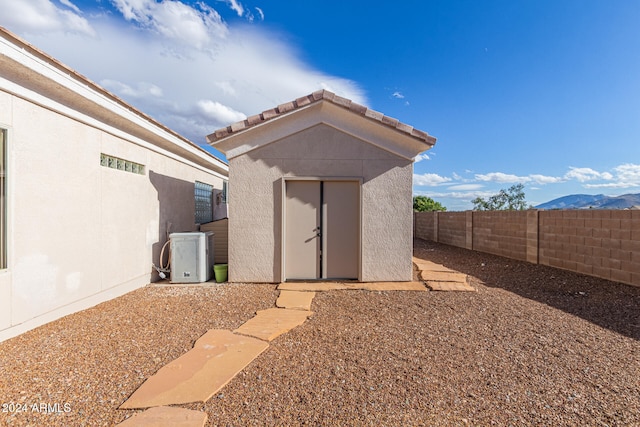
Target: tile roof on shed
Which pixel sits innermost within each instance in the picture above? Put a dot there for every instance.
(321, 95)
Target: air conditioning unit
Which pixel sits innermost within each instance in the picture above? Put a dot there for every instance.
(191, 257)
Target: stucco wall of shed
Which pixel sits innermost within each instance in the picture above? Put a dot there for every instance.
(80, 233)
(255, 222)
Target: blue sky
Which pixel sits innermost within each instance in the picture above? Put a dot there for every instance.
(544, 93)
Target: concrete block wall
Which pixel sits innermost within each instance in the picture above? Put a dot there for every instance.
(452, 228)
(501, 233)
(601, 243)
(424, 226)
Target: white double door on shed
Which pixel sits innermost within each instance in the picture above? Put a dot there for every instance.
(322, 229)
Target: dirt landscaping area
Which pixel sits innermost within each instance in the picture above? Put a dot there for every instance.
(533, 346)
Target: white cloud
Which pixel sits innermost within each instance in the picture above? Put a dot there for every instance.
(626, 176)
(70, 5)
(543, 179)
(236, 7)
(42, 16)
(199, 27)
(226, 88)
(429, 180)
(242, 72)
(623, 176)
(142, 89)
(465, 187)
(501, 178)
(218, 112)
(456, 200)
(470, 195)
(586, 174)
(398, 95)
(504, 178)
(260, 12)
(421, 157)
(628, 173)
(609, 185)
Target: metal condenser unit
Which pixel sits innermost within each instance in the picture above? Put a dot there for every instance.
(191, 257)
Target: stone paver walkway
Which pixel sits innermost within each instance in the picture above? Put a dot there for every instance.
(163, 416)
(273, 322)
(219, 355)
(295, 300)
(367, 286)
(424, 265)
(442, 276)
(439, 278)
(195, 376)
(214, 360)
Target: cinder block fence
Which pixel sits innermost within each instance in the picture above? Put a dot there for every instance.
(601, 243)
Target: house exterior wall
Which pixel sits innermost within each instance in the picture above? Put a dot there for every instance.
(255, 226)
(80, 233)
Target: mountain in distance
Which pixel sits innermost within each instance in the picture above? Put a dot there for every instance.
(588, 201)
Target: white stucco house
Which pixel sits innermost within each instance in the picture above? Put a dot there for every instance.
(321, 188)
(90, 187)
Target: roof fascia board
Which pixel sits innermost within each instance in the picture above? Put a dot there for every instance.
(322, 112)
(63, 77)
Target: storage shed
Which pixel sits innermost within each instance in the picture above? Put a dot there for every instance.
(321, 188)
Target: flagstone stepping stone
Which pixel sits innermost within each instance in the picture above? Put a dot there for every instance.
(369, 286)
(442, 276)
(198, 374)
(273, 322)
(166, 416)
(430, 266)
(295, 300)
(450, 286)
(311, 286)
(394, 286)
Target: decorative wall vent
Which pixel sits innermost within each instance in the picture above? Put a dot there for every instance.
(121, 164)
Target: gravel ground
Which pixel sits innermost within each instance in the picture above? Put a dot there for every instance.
(534, 346)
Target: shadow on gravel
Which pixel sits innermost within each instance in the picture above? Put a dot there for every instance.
(611, 305)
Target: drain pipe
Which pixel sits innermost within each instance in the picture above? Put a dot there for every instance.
(163, 270)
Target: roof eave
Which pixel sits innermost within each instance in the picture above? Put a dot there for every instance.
(401, 142)
(305, 102)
